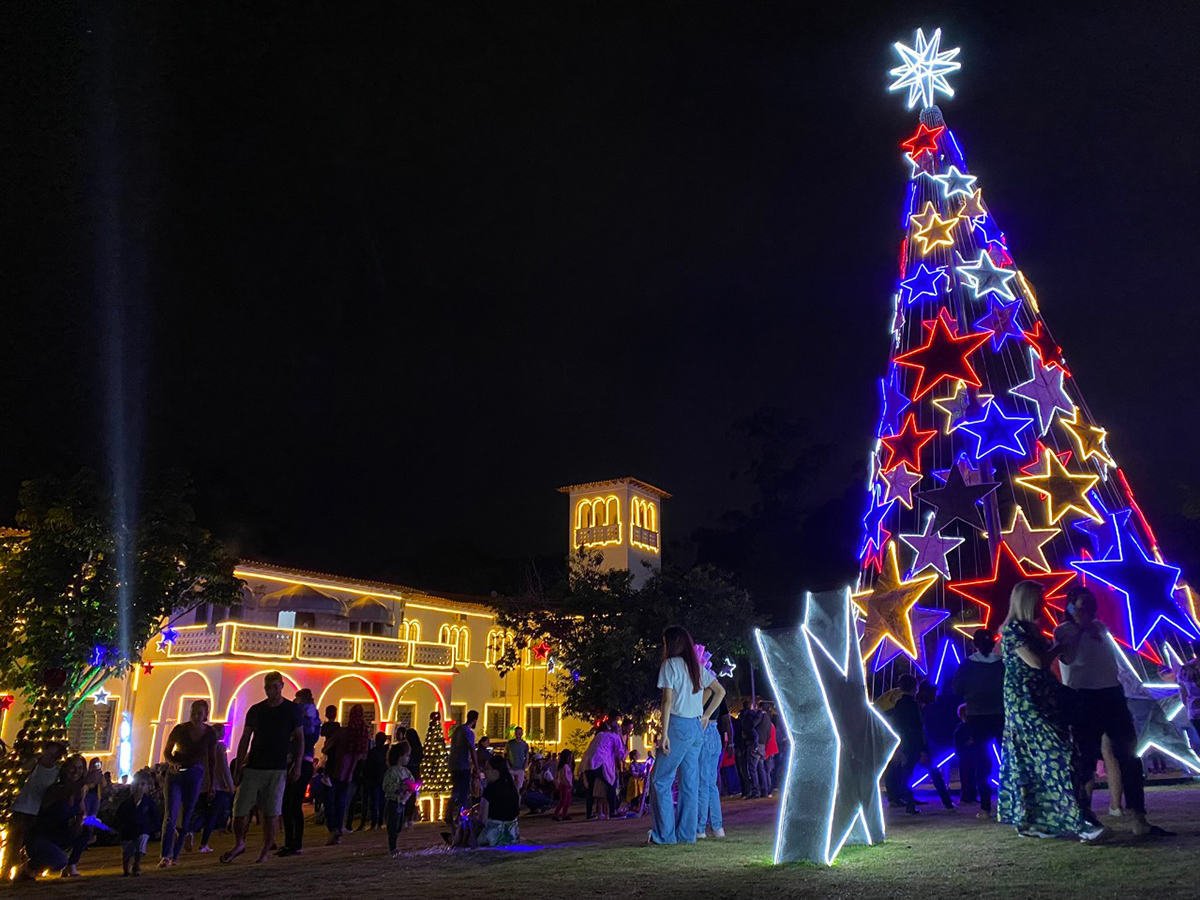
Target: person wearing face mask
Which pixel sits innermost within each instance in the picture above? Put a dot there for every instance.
(1089, 668)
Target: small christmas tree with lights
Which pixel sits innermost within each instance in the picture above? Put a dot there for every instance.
(988, 468)
(435, 765)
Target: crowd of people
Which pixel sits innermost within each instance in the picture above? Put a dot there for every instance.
(1050, 733)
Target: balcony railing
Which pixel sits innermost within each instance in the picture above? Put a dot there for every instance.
(234, 639)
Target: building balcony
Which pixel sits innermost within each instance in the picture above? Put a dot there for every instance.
(234, 640)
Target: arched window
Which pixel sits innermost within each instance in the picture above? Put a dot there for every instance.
(410, 630)
(643, 529)
(460, 637)
(598, 521)
(497, 643)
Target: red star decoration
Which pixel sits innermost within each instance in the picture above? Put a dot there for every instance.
(943, 357)
(6, 702)
(147, 668)
(1000, 256)
(873, 554)
(924, 139)
(1007, 572)
(542, 650)
(1047, 349)
(905, 447)
(1039, 451)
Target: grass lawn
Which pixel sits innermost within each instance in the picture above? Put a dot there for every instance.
(932, 856)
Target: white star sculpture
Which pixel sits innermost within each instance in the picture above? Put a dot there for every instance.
(840, 744)
(925, 69)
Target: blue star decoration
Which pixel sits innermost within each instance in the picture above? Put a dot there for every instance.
(1147, 585)
(1103, 535)
(925, 282)
(1001, 321)
(989, 231)
(168, 637)
(840, 744)
(997, 431)
(895, 401)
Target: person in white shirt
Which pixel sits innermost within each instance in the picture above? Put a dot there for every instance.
(1089, 668)
(29, 801)
(690, 698)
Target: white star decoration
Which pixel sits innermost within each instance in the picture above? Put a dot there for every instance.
(955, 182)
(984, 276)
(840, 744)
(925, 69)
(1164, 727)
(1046, 390)
(100, 697)
(931, 549)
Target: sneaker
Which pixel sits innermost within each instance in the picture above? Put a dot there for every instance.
(700, 835)
(206, 849)
(719, 832)
(1094, 833)
(1116, 813)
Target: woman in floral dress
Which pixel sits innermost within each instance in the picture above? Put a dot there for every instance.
(1039, 789)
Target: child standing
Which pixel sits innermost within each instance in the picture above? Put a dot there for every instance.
(398, 786)
(564, 781)
(135, 820)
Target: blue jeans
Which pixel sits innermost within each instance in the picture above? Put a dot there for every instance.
(677, 825)
(183, 789)
(756, 766)
(335, 806)
(44, 853)
(710, 794)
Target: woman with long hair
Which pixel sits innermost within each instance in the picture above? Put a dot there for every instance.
(690, 698)
(349, 747)
(499, 804)
(1040, 793)
(189, 751)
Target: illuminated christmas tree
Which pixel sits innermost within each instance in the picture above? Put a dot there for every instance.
(435, 768)
(989, 468)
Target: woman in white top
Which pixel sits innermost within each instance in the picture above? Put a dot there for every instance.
(690, 697)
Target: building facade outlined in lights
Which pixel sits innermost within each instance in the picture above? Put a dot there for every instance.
(620, 519)
(399, 651)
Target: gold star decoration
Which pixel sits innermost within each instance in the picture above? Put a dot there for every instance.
(886, 607)
(936, 233)
(959, 405)
(973, 207)
(925, 216)
(1062, 490)
(1026, 542)
(1088, 438)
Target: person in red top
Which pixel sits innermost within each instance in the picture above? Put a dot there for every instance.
(349, 746)
(772, 749)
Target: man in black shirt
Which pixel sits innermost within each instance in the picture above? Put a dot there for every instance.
(272, 735)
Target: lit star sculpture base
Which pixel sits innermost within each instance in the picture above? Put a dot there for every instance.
(840, 744)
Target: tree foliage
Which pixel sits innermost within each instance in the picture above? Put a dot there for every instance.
(62, 583)
(605, 636)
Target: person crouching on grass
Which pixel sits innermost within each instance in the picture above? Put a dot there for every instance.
(398, 786)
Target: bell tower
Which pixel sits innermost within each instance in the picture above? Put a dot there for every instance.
(622, 519)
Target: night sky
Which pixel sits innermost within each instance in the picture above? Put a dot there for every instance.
(382, 277)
